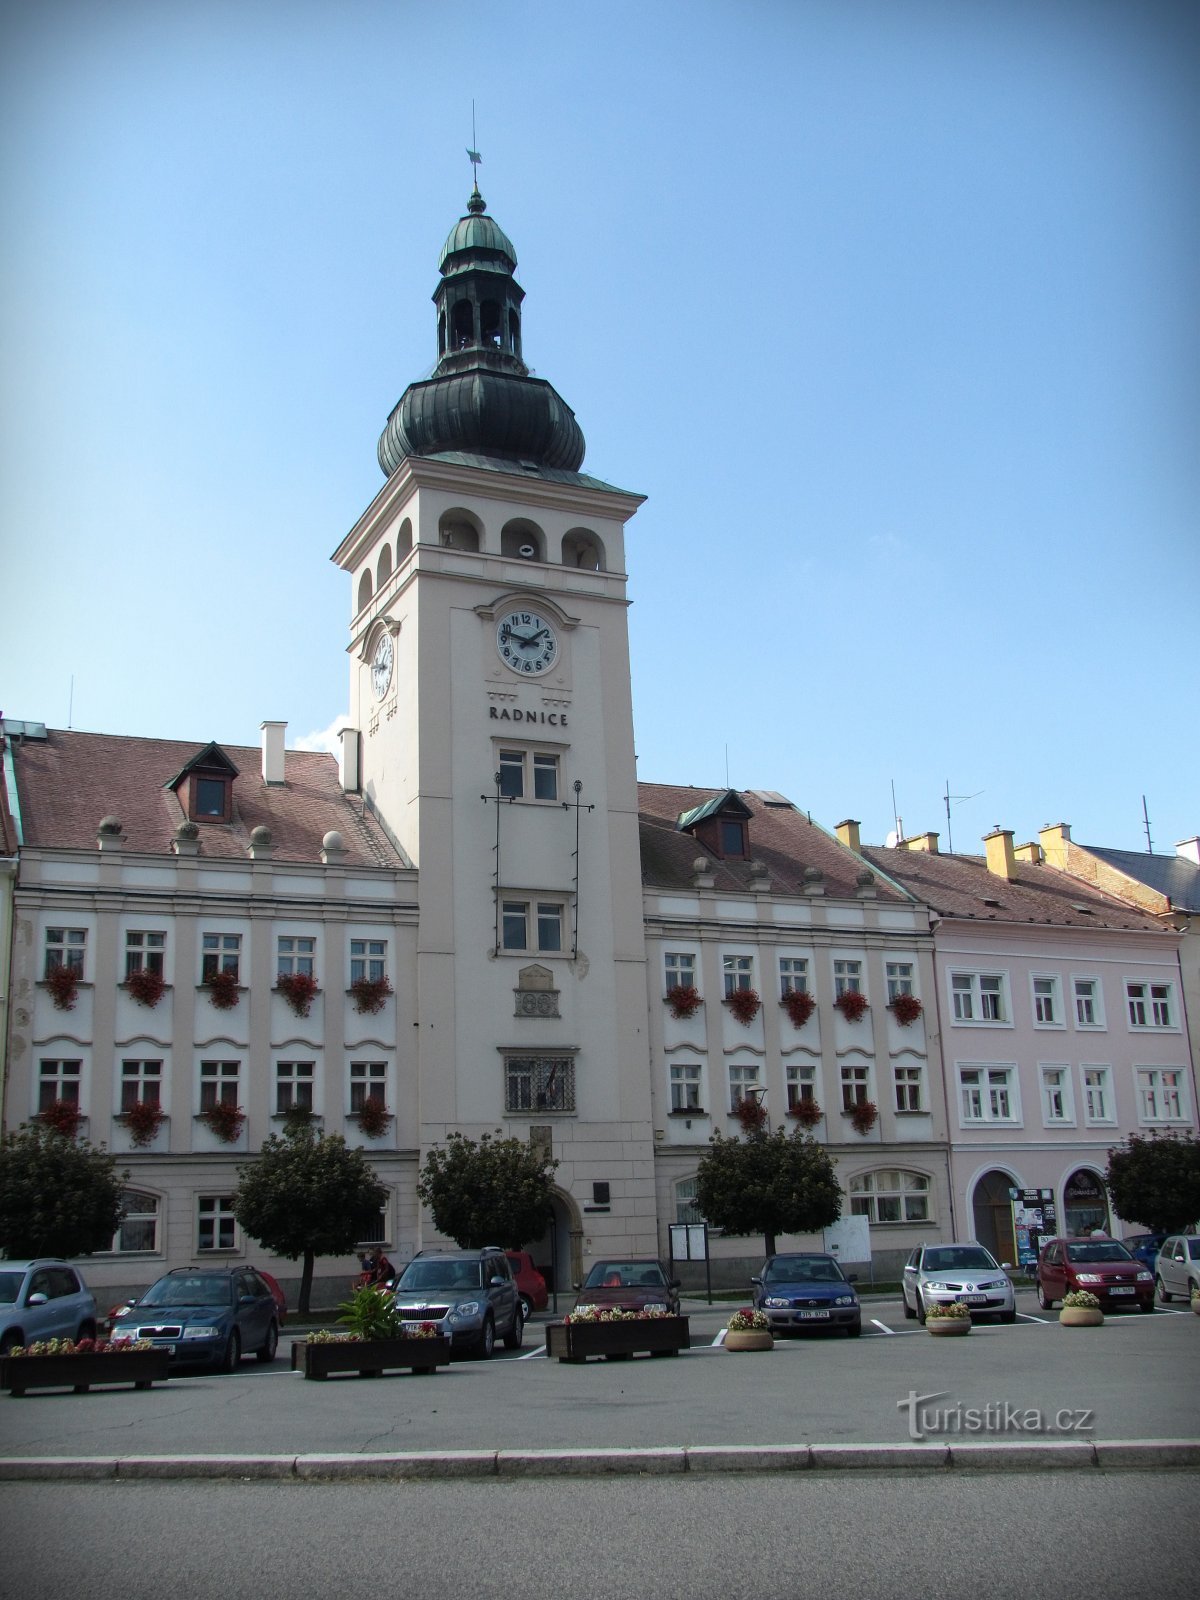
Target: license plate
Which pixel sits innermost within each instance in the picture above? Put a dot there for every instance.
(413, 1327)
(974, 1299)
(811, 1316)
(1122, 1291)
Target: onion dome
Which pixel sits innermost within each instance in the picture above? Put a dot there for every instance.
(481, 399)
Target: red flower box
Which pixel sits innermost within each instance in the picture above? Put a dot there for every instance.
(683, 1000)
(745, 1004)
(906, 1008)
(851, 1004)
(799, 1005)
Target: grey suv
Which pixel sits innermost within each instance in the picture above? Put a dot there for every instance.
(45, 1299)
(470, 1294)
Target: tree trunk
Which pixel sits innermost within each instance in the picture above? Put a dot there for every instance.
(305, 1283)
(769, 1242)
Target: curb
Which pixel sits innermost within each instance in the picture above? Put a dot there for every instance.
(1112, 1454)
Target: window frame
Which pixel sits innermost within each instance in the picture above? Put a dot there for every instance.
(295, 962)
(1150, 1084)
(216, 1076)
(221, 952)
(532, 914)
(975, 994)
(289, 1075)
(854, 1085)
(748, 1076)
(140, 1081)
(1051, 1001)
(847, 976)
(1105, 1088)
(60, 1078)
(679, 970)
(523, 771)
(136, 1217)
(223, 1224)
(1095, 999)
(900, 977)
(800, 1083)
(143, 957)
(1065, 1088)
(685, 1079)
(366, 1080)
(910, 1085)
(539, 1083)
(864, 1200)
(1149, 1003)
(794, 981)
(68, 949)
(986, 1089)
(737, 974)
(366, 955)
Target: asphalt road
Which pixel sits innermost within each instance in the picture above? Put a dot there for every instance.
(1136, 1378)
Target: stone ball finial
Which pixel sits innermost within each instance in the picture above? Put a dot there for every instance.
(109, 826)
(813, 875)
(701, 864)
(333, 841)
(865, 877)
(260, 835)
(188, 830)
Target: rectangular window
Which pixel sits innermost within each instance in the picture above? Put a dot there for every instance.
(138, 1233)
(1047, 1006)
(793, 975)
(733, 838)
(539, 1083)
(219, 1082)
(145, 952)
(1151, 1005)
(528, 773)
(978, 996)
(211, 795)
(1089, 1007)
(544, 918)
(216, 1228)
(685, 1086)
(141, 1083)
(368, 960)
(988, 1094)
(58, 1080)
(738, 973)
(741, 1080)
(549, 925)
(221, 952)
(909, 1084)
(847, 978)
(1057, 1106)
(293, 1086)
(1098, 1104)
(545, 776)
(801, 1086)
(368, 1081)
(680, 970)
(686, 1209)
(1160, 1094)
(296, 956)
(65, 947)
(511, 768)
(854, 1087)
(899, 979)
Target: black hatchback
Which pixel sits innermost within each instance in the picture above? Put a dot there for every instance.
(205, 1316)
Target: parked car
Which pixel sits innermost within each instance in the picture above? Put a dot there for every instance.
(470, 1294)
(1101, 1266)
(1145, 1246)
(531, 1286)
(1177, 1269)
(277, 1293)
(206, 1316)
(807, 1290)
(44, 1299)
(629, 1283)
(939, 1274)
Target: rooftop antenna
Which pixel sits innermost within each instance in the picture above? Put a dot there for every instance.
(1146, 825)
(71, 709)
(895, 816)
(956, 798)
(473, 155)
(727, 766)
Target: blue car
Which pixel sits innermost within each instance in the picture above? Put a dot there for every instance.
(1145, 1246)
(205, 1316)
(805, 1291)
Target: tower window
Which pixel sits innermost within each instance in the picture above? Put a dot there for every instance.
(462, 325)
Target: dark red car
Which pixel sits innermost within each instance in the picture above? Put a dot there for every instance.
(631, 1285)
(531, 1286)
(1101, 1266)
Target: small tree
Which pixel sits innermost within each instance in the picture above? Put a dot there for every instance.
(58, 1196)
(305, 1197)
(1155, 1181)
(768, 1183)
(494, 1192)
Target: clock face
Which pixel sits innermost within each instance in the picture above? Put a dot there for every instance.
(526, 643)
(381, 666)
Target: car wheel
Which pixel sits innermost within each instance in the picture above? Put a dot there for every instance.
(10, 1342)
(270, 1344)
(1008, 1316)
(1147, 1305)
(919, 1308)
(1046, 1304)
(512, 1341)
(1162, 1292)
(908, 1310)
(232, 1358)
(487, 1340)
(526, 1308)
(854, 1331)
(87, 1330)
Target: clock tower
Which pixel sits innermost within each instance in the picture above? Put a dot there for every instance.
(492, 735)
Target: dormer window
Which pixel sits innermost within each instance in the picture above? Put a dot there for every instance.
(721, 825)
(211, 798)
(733, 838)
(205, 786)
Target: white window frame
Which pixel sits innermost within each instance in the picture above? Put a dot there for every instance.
(801, 1083)
(366, 1079)
(679, 970)
(854, 1082)
(737, 974)
(221, 952)
(910, 1201)
(145, 1078)
(973, 998)
(1104, 1089)
(65, 947)
(529, 773)
(994, 1078)
(686, 1079)
(368, 960)
(535, 917)
(216, 1221)
(216, 1079)
(145, 951)
(293, 1079)
(1162, 1096)
(743, 1076)
(1152, 1009)
(1059, 1094)
(60, 1073)
(1095, 999)
(1047, 1006)
(793, 975)
(847, 976)
(908, 1086)
(295, 955)
(899, 976)
(132, 1217)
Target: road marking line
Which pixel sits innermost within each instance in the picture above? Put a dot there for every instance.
(883, 1327)
(531, 1355)
(1029, 1317)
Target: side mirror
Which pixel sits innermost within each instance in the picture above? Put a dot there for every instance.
(674, 1283)
(577, 1287)
(758, 1281)
(852, 1277)
(1007, 1265)
(38, 1299)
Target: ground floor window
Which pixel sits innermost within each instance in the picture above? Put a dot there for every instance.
(138, 1233)
(890, 1195)
(539, 1083)
(686, 1209)
(216, 1227)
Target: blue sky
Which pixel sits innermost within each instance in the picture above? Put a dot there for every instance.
(889, 308)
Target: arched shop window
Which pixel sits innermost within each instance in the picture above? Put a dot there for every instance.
(1085, 1202)
(138, 1233)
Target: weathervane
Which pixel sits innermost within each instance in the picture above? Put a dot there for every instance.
(473, 155)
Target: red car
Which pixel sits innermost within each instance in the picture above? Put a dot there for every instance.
(531, 1286)
(630, 1284)
(1101, 1266)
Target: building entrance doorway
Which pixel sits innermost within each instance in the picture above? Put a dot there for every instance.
(556, 1254)
(991, 1210)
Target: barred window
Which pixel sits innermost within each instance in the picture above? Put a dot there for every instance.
(539, 1083)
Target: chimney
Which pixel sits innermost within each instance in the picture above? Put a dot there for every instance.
(1000, 857)
(1055, 838)
(847, 832)
(350, 748)
(928, 842)
(1189, 849)
(1031, 852)
(272, 752)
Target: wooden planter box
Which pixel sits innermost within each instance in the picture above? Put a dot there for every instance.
(138, 1367)
(369, 1358)
(617, 1341)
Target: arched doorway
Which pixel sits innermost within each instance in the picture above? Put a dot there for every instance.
(1085, 1202)
(558, 1253)
(991, 1210)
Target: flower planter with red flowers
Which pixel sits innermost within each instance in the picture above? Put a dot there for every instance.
(143, 1119)
(852, 1005)
(224, 1119)
(370, 1358)
(864, 1116)
(683, 999)
(369, 994)
(751, 1113)
(616, 1336)
(299, 989)
(373, 1117)
(806, 1112)
(745, 1005)
(222, 989)
(63, 984)
(906, 1008)
(799, 1005)
(62, 1116)
(146, 986)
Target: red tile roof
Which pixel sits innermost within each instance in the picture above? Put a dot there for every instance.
(69, 781)
(781, 837)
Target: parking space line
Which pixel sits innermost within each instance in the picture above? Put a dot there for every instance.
(883, 1327)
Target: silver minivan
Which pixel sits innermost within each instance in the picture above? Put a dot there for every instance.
(43, 1299)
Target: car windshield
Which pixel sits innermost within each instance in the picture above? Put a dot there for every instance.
(958, 1258)
(625, 1275)
(441, 1274)
(189, 1289)
(1194, 1249)
(802, 1269)
(1098, 1250)
(10, 1284)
